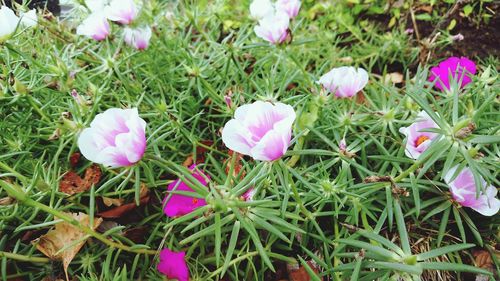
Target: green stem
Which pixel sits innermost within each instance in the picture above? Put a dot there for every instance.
(19, 257)
(405, 173)
(17, 193)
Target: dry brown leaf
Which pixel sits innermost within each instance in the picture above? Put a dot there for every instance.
(108, 201)
(72, 183)
(123, 209)
(74, 159)
(394, 77)
(483, 259)
(237, 165)
(65, 236)
(299, 273)
(6, 201)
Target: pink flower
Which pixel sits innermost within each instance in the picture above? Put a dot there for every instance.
(262, 130)
(344, 81)
(179, 205)
(122, 11)
(273, 27)
(463, 190)
(417, 141)
(461, 70)
(342, 144)
(261, 8)
(95, 26)
(116, 138)
(249, 194)
(138, 37)
(173, 265)
(291, 7)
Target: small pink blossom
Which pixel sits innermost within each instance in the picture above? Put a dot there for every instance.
(249, 194)
(116, 138)
(273, 28)
(179, 205)
(458, 37)
(291, 7)
(95, 26)
(262, 130)
(173, 265)
(122, 11)
(461, 70)
(417, 141)
(342, 144)
(463, 190)
(344, 81)
(138, 37)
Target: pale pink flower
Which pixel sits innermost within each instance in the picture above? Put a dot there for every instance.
(342, 144)
(116, 138)
(8, 23)
(463, 190)
(344, 81)
(137, 37)
(178, 204)
(249, 194)
(273, 28)
(173, 265)
(291, 7)
(259, 9)
(262, 130)
(95, 26)
(461, 70)
(122, 11)
(418, 141)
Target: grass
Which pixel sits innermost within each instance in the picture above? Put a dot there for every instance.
(314, 204)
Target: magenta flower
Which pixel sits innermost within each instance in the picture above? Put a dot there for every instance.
(179, 205)
(95, 26)
(344, 81)
(416, 140)
(122, 11)
(262, 130)
(138, 37)
(291, 7)
(273, 28)
(249, 194)
(463, 190)
(461, 70)
(173, 265)
(116, 138)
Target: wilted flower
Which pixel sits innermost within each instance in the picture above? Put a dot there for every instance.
(122, 11)
(261, 8)
(273, 28)
(262, 130)
(344, 81)
(29, 19)
(95, 26)
(463, 190)
(178, 204)
(173, 265)
(8, 23)
(137, 37)
(116, 138)
(461, 70)
(417, 141)
(291, 7)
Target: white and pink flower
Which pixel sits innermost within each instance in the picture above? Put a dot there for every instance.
(8, 23)
(291, 7)
(344, 81)
(417, 140)
(463, 190)
(273, 28)
(95, 26)
(122, 11)
(116, 138)
(259, 9)
(137, 37)
(261, 130)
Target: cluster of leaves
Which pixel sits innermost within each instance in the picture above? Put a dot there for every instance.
(367, 214)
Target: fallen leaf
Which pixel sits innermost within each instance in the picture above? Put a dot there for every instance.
(299, 273)
(483, 259)
(6, 201)
(74, 159)
(65, 240)
(394, 77)
(123, 209)
(136, 234)
(72, 183)
(112, 201)
(237, 165)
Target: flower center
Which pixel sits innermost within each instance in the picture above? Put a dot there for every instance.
(195, 200)
(420, 140)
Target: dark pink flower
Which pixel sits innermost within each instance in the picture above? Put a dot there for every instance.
(173, 265)
(461, 70)
(179, 205)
